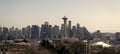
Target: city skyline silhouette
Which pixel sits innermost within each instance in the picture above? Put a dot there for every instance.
(101, 15)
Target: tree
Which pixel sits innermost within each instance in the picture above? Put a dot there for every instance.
(61, 49)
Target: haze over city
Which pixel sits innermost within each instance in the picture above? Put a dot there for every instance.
(95, 15)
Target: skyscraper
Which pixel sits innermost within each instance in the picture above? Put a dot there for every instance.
(0, 31)
(28, 32)
(55, 32)
(11, 34)
(78, 32)
(5, 32)
(85, 33)
(74, 31)
(18, 33)
(69, 31)
(61, 33)
(69, 24)
(23, 32)
(35, 32)
(46, 30)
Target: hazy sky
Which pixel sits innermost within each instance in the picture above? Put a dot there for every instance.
(93, 14)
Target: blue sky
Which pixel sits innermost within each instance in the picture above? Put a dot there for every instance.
(93, 14)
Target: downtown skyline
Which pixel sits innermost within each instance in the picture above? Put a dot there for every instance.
(95, 15)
